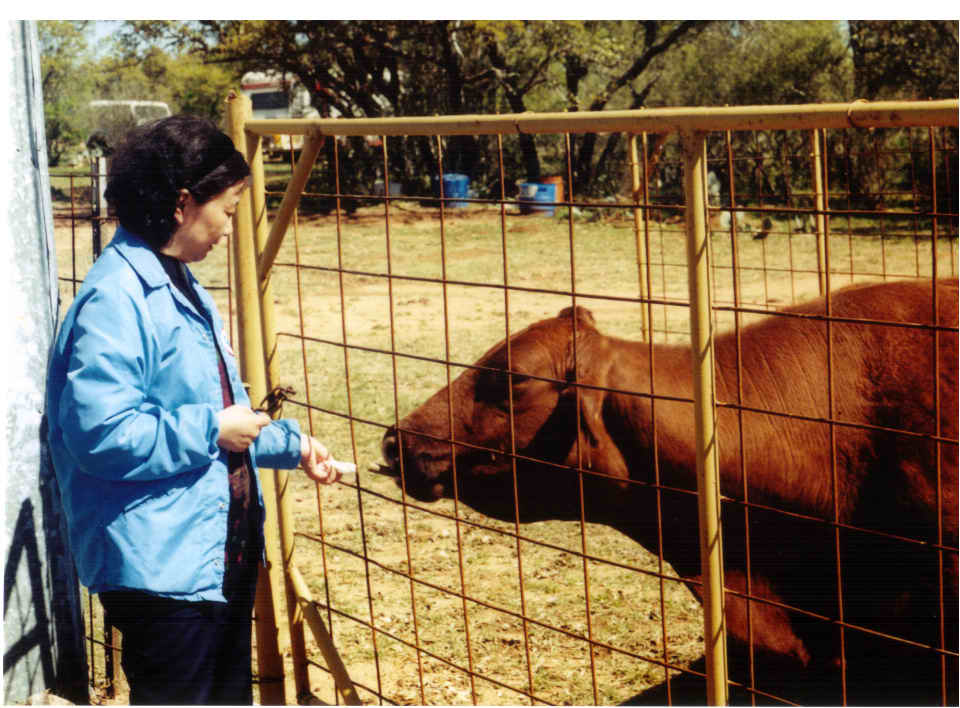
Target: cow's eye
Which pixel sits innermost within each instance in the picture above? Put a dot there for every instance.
(516, 378)
(492, 386)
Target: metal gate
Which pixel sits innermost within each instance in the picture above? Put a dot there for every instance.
(806, 236)
(365, 301)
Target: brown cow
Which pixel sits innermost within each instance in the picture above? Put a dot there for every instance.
(582, 404)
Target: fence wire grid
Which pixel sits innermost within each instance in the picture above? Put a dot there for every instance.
(385, 293)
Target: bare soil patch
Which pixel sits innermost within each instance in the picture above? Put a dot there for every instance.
(438, 604)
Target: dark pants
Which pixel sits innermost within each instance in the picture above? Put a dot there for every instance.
(184, 653)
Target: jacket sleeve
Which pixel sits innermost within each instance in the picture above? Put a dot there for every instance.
(278, 445)
(109, 424)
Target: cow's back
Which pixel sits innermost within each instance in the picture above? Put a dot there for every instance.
(866, 360)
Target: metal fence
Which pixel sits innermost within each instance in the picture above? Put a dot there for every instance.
(367, 303)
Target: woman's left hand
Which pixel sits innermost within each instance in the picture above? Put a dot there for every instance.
(313, 459)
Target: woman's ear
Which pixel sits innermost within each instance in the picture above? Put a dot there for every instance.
(178, 213)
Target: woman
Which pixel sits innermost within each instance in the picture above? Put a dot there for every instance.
(153, 439)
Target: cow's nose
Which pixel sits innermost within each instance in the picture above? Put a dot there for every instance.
(389, 447)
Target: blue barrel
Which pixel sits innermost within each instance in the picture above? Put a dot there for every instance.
(456, 186)
(534, 194)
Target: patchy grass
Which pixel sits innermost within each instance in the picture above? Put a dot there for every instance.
(438, 604)
(494, 617)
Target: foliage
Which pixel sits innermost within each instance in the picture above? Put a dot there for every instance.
(370, 68)
(643, 44)
(901, 59)
(905, 59)
(184, 82)
(72, 77)
(757, 62)
(66, 85)
(373, 68)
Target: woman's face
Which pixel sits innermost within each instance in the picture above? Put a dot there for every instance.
(201, 226)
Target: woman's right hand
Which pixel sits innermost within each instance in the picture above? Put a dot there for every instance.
(239, 427)
(314, 459)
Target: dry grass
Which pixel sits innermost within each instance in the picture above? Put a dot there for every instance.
(437, 604)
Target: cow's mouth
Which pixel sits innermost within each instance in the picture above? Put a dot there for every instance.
(425, 475)
(428, 474)
(425, 478)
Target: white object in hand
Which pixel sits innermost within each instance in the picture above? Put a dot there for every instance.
(344, 468)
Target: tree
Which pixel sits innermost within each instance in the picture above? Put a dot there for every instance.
(72, 77)
(518, 57)
(182, 81)
(66, 84)
(757, 63)
(906, 59)
(627, 79)
(901, 59)
(373, 68)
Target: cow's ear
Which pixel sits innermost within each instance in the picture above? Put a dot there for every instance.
(584, 316)
(598, 452)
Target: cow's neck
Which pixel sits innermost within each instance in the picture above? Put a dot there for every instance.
(674, 455)
(663, 406)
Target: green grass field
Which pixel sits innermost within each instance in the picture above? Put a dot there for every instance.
(366, 328)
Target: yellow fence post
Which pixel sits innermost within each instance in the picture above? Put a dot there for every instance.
(640, 226)
(295, 623)
(708, 482)
(819, 204)
(255, 278)
(253, 370)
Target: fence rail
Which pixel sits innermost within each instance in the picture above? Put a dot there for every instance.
(858, 114)
(783, 222)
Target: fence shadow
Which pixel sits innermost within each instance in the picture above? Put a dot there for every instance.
(26, 608)
(37, 572)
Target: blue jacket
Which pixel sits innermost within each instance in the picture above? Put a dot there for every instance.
(132, 396)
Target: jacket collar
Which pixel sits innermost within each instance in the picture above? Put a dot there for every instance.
(140, 256)
(145, 262)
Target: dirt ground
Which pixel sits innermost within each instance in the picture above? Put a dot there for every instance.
(436, 604)
(427, 604)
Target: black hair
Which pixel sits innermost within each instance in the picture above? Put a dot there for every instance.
(159, 159)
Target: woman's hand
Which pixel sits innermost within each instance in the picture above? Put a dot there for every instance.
(239, 427)
(313, 459)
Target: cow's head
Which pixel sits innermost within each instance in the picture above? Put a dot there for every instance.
(516, 409)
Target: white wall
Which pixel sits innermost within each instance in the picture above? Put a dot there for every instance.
(42, 627)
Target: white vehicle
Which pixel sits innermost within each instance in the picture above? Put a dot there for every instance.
(140, 111)
(277, 95)
(111, 120)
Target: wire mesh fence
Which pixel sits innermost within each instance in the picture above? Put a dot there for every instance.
(533, 578)
(523, 603)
